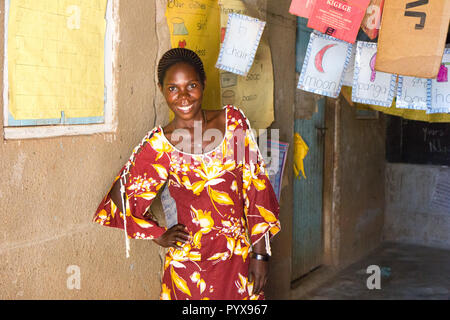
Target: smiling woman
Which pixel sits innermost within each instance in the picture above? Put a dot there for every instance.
(225, 202)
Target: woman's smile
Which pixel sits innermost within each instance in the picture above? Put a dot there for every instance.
(186, 109)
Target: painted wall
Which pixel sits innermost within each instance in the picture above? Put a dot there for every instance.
(410, 215)
(51, 187)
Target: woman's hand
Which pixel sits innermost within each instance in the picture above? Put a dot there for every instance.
(173, 237)
(258, 272)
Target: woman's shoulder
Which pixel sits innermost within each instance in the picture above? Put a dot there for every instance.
(152, 142)
(237, 115)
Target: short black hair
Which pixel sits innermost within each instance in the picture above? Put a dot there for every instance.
(176, 55)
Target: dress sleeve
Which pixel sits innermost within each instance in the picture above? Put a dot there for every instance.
(147, 172)
(261, 206)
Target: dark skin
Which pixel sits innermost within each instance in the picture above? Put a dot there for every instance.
(183, 91)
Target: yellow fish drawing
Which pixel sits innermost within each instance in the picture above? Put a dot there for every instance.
(300, 152)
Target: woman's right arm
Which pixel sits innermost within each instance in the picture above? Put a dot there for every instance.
(147, 174)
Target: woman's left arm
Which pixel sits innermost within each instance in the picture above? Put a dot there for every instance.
(261, 209)
(258, 270)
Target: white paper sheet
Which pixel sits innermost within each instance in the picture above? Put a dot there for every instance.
(438, 93)
(370, 86)
(242, 38)
(325, 61)
(412, 93)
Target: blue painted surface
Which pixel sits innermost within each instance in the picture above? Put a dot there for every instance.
(307, 221)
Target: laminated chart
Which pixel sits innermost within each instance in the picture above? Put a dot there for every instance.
(56, 64)
(438, 90)
(325, 61)
(254, 92)
(371, 86)
(412, 93)
(241, 41)
(195, 25)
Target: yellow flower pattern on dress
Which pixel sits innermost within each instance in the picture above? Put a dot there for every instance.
(224, 198)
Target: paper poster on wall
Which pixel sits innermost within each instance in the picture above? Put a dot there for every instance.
(347, 77)
(370, 86)
(56, 59)
(275, 163)
(254, 92)
(195, 25)
(325, 61)
(412, 93)
(372, 19)
(302, 8)
(438, 90)
(340, 19)
(241, 41)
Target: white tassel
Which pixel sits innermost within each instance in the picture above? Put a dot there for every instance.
(124, 209)
(122, 191)
(268, 250)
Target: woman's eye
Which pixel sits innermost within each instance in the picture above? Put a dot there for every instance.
(172, 89)
(193, 85)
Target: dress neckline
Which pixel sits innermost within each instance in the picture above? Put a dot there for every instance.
(200, 154)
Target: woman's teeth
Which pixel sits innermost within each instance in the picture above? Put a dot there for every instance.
(185, 109)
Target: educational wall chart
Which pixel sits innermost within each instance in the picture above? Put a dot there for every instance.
(254, 92)
(56, 59)
(241, 42)
(275, 164)
(370, 86)
(325, 61)
(195, 25)
(438, 90)
(412, 93)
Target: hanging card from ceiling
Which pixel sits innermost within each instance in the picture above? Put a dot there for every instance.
(412, 93)
(325, 61)
(438, 90)
(370, 86)
(242, 38)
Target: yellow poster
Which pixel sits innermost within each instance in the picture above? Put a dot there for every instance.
(56, 58)
(195, 25)
(254, 92)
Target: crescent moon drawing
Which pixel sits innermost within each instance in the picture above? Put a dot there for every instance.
(319, 57)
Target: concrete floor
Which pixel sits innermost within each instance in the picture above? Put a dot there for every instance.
(407, 272)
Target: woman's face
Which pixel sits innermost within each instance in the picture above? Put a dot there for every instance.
(183, 90)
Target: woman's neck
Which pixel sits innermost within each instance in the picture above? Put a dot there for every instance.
(189, 124)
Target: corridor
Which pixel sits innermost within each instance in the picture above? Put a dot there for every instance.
(408, 272)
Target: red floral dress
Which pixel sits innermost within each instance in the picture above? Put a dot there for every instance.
(223, 197)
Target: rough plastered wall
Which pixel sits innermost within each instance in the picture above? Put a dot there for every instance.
(51, 187)
(281, 29)
(410, 214)
(358, 191)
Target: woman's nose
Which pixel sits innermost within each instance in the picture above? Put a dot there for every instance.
(184, 93)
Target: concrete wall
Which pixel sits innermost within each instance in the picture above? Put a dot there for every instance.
(410, 215)
(353, 184)
(281, 29)
(51, 188)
